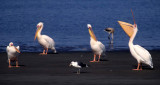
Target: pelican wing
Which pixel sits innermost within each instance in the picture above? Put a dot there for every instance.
(144, 54)
(48, 40)
(11, 52)
(7, 49)
(8, 53)
(102, 46)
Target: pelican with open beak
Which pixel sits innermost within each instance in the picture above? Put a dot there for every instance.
(138, 52)
(45, 41)
(12, 53)
(97, 47)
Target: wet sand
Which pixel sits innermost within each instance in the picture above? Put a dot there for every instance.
(53, 69)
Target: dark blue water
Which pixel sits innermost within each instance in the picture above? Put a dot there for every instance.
(65, 21)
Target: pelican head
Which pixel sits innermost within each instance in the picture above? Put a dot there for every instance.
(91, 32)
(11, 44)
(39, 27)
(89, 26)
(129, 28)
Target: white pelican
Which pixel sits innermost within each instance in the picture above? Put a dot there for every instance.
(45, 41)
(97, 47)
(12, 53)
(138, 52)
(110, 31)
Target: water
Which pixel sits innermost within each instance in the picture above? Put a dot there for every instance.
(66, 22)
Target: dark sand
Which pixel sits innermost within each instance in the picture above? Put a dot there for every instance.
(114, 69)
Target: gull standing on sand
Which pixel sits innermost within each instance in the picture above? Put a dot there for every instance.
(97, 47)
(110, 32)
(78, 65)
(45, 41)
(12, 53)
(138, 52)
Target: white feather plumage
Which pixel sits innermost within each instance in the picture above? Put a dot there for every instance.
(144, 55)
(11, 52)
(45, 41)
(97, 47)
(138, 52)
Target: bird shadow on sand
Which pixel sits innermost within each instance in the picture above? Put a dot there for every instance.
(52, 53)
(104, 60)
(48, 54)
(19, 65)
(82, 72)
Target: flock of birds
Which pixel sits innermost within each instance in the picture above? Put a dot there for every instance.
(138, 52)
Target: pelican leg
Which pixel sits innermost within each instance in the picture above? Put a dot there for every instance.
(140, 66)
(43, 52)
(9, 61)
(17, 63)
(94, 60)
(46, 51)
(99, 58)
(137, 67)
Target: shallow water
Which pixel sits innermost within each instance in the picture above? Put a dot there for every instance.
(66, 22)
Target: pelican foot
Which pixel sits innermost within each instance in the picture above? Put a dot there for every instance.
(10, 66)
(137, 69)
(93, 61)
(42, 54)
(17, 66)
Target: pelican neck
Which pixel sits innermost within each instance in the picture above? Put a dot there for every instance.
(133, 36)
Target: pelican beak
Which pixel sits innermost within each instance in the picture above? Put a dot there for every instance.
(17, 50)
(92, 33)
(127, 27)
(38, 28)
(70, 64)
